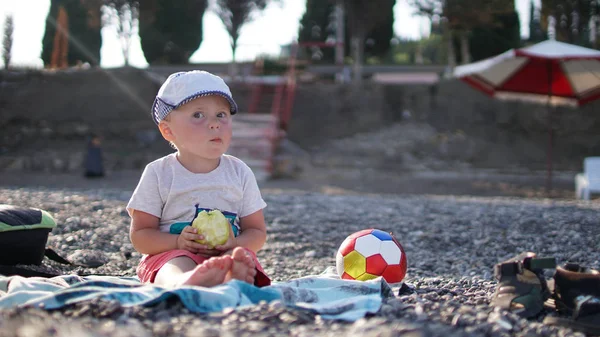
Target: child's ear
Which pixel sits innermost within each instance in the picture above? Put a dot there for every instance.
(165, 131)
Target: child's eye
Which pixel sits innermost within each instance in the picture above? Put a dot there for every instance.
(198, 115)
(222, 115)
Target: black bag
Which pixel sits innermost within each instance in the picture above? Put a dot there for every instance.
(23, 237)
(23, 234)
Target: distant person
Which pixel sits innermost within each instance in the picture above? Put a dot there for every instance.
(93, 165)
(346, 75)
(193, 111)
(406, 115)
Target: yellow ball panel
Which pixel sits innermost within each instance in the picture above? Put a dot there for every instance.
(355, 264)
(366, 277)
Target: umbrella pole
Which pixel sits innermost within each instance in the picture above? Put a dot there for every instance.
(549, 113)
(549, 155)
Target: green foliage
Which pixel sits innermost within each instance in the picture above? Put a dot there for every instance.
(48, 39)
(492, 36)
(379, 38)
(85, 39)
(432, 50)
(403, 58)
(7, 40)
(491, 40)
(170, 31)
(318, 25)
(404, 51)
(491, 26)
(463, 14)
(536, 33)
(364, 20)
(572, 19)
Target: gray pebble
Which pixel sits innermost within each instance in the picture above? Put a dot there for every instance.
(452, 244)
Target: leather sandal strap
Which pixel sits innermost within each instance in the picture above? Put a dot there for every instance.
(516, 267)
(508, 269)
(540, 263)
(586, 305)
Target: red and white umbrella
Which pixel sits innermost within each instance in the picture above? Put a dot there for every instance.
(550, 72)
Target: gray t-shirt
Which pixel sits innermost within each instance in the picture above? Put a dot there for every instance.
(170, 192)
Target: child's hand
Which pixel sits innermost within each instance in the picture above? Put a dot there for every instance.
(187, 241)
(230, 244)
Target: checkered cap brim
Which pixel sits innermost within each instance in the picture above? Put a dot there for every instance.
(180, 88)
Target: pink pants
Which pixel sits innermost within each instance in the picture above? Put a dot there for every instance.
(150, 264)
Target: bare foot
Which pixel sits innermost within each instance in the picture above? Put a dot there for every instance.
(243, 267)
(209, 273)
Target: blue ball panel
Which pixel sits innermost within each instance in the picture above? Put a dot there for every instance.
(381, 235)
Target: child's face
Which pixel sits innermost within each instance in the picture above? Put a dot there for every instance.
(200, 128)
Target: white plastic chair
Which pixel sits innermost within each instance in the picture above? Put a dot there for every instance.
(588, 182)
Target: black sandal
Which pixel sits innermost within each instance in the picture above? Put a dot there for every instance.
(522, 287)
(577, 294)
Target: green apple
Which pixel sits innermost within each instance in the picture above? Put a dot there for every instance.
(213, 226)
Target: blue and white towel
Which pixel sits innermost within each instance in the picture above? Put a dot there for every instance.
(327, 296)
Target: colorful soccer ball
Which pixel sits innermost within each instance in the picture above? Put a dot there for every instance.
(370, 253)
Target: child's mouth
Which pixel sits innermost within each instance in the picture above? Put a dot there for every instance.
(216, 140)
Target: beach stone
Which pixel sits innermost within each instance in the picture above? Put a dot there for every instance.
(449, 280)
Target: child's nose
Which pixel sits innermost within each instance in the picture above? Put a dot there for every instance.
(214, 123)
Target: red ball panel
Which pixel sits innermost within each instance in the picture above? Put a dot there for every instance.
(376, 264)
(360, 233)
(347, 246)
(395, 273)
(345, 276)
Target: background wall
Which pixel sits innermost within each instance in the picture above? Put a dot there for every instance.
(505, 132)
(45, 115)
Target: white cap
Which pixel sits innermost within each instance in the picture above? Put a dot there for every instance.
(182, 87)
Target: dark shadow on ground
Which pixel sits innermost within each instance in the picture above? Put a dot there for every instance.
(341, 181)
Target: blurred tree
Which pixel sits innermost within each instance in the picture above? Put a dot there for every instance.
(592, 13)
(379, 38)
(234, 14)
(595, 24)
(170, 31)
(363, 18)
(318, 25)
(124, 16)
(536, 33)
(572, 19)
(83, 19)
(7, 41)
(459, 18)
(60, 43)
(490, 40)
(404, 51)
(434, 10)
(431, 49)
(465, 16)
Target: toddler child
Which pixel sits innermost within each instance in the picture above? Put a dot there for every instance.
(193, 111)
